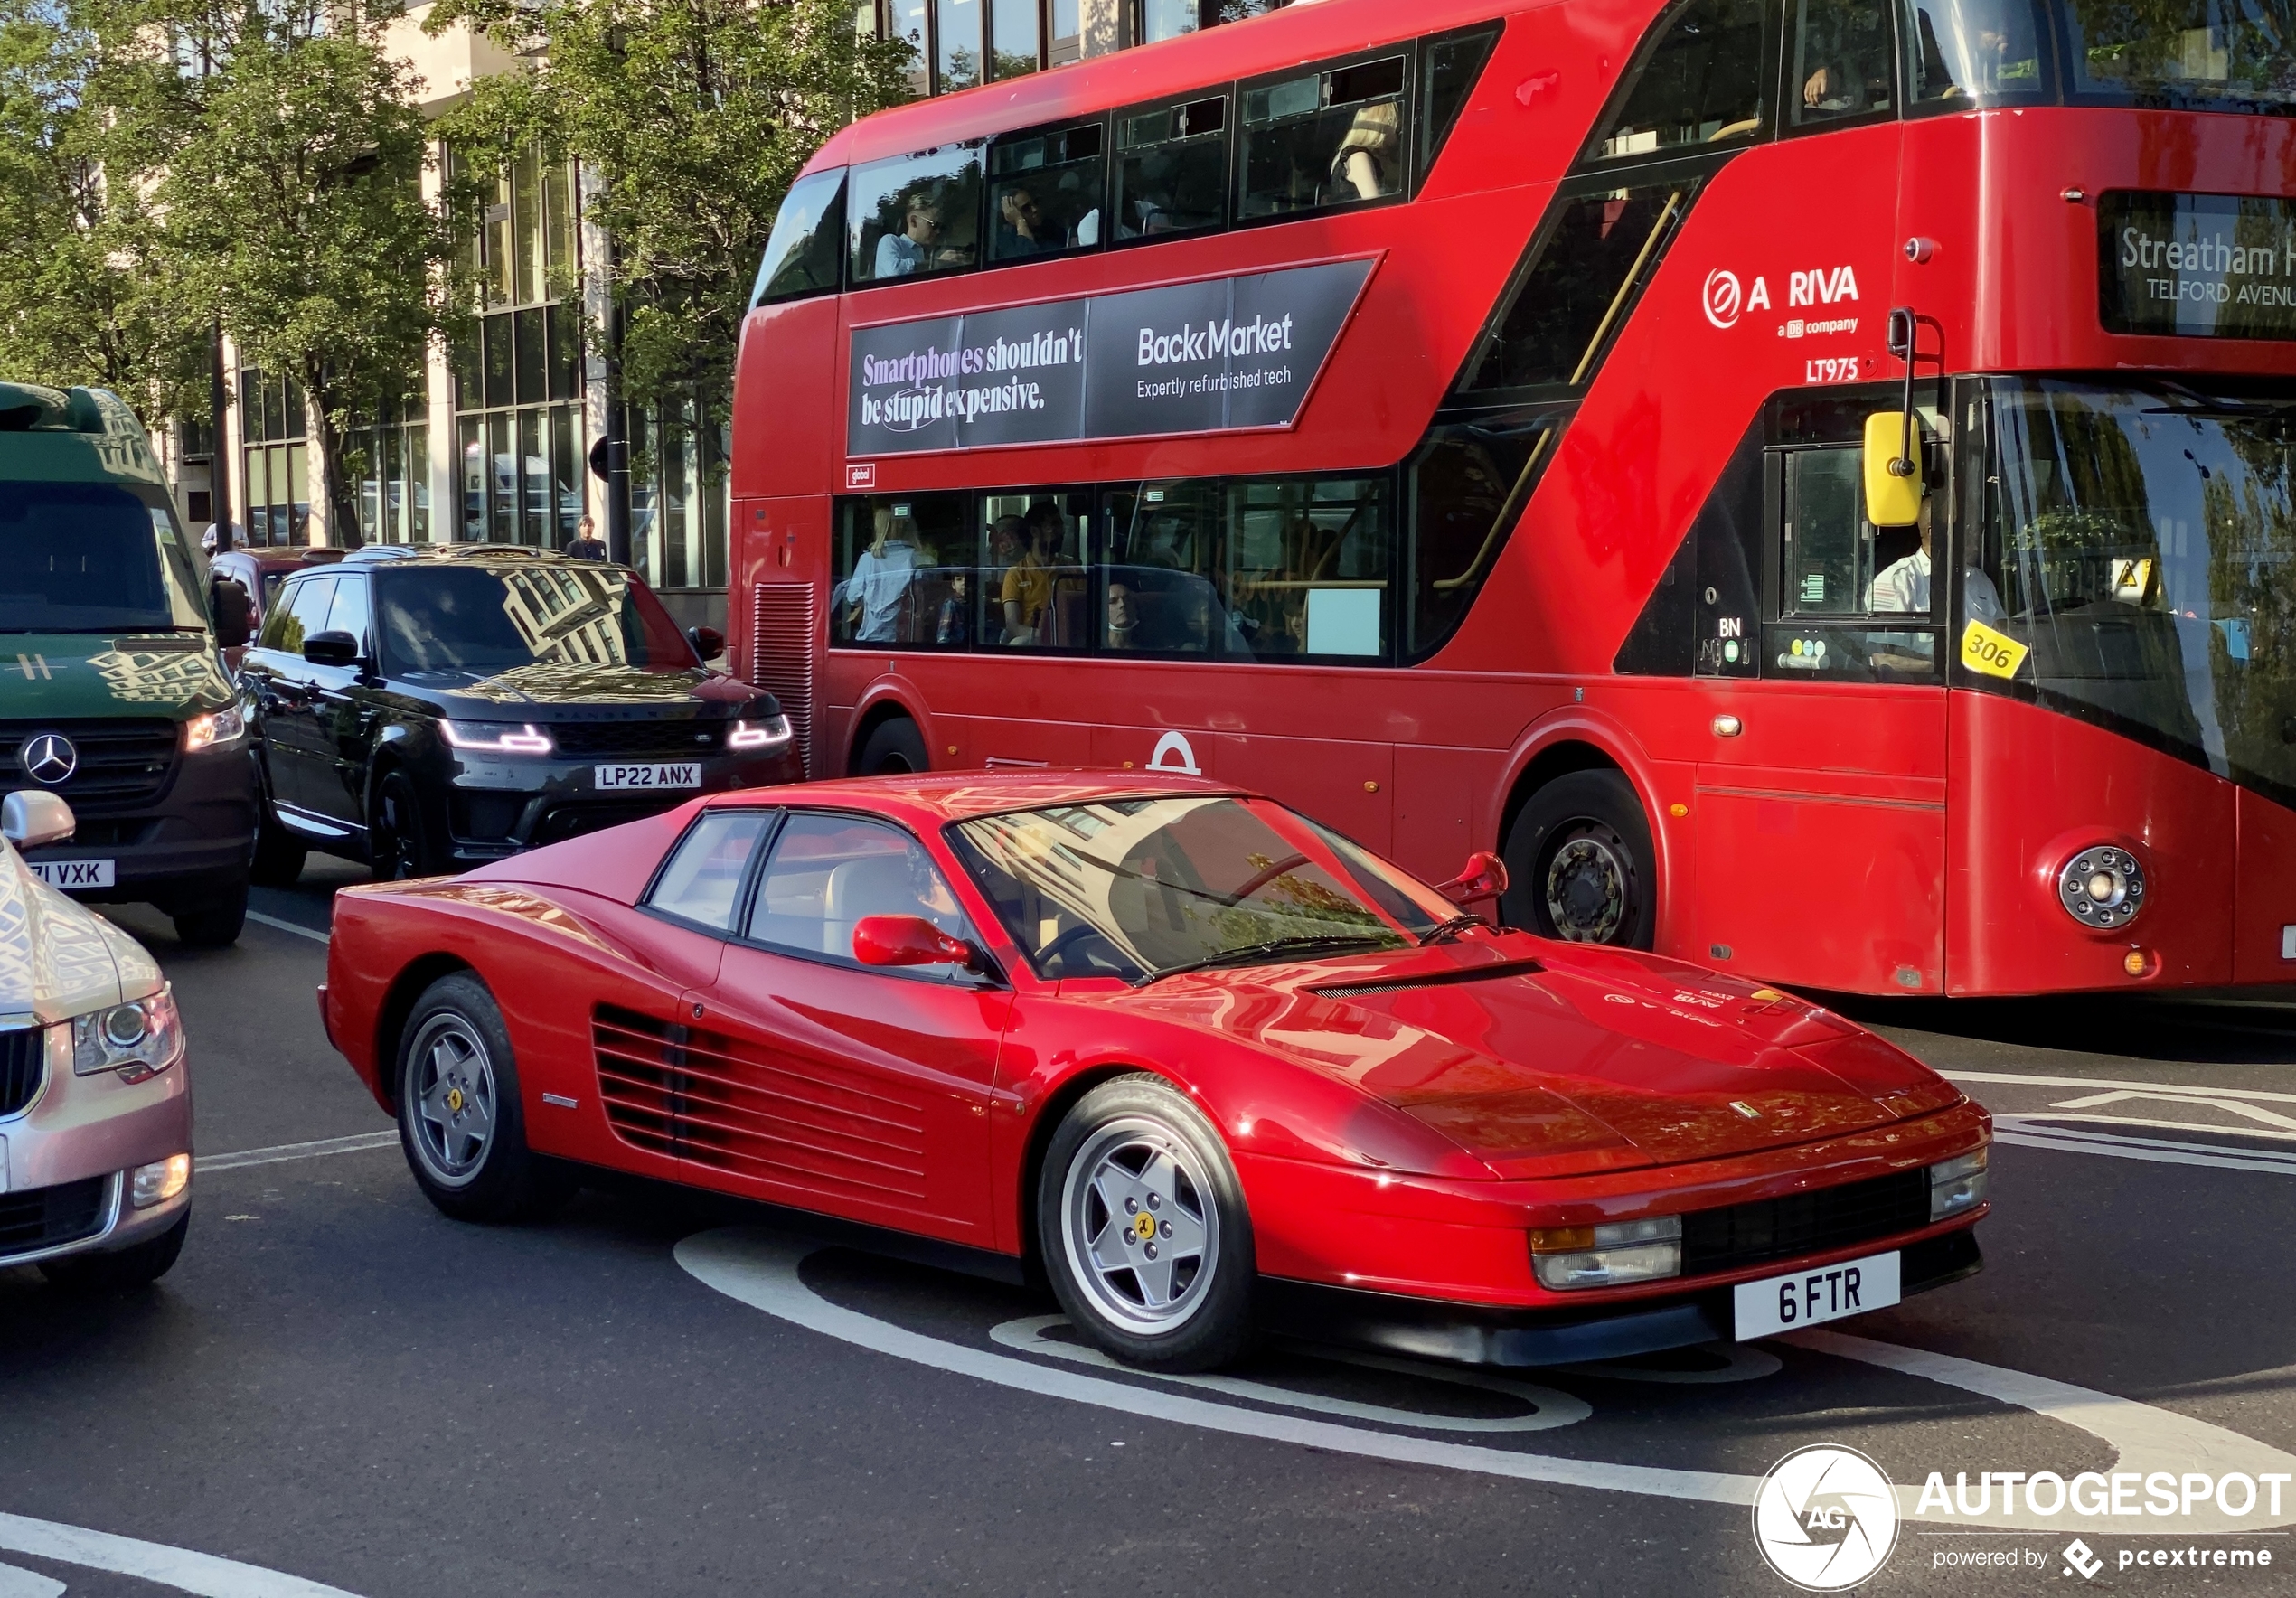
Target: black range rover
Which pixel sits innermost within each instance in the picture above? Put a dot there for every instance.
(428, 710)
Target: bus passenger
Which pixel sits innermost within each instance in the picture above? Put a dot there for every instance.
(875, 593)
(1369, 159)
(1027, 593)
(955, 624)
(902, 254)
(1125, 630)
(1019, 229)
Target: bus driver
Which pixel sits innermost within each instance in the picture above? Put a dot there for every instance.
(1903, 585)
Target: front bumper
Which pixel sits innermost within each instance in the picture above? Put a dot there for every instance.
(497, 808)
(195, 837)
(68, 1158)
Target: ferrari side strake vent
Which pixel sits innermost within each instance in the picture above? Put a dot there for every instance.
(1441, 979)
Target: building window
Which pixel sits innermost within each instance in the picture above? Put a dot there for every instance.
(963, 43)
(389, 460)
(680, 497)
(195, 471)
(277, 461)
(518, 382)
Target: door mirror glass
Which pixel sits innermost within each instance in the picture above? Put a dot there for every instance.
(1892, 470)
(29, 818)
(331, 649)
(909, 940)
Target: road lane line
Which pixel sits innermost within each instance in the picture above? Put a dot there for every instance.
(16, 1583)
(180, 1568)
(299, 931)
(760, 1269)
(2012, 1079)
(280, 1153)
(2018, 1131)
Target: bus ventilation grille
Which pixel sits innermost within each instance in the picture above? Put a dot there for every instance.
(782, 650)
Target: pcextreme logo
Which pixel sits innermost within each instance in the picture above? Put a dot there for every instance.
(1826, 1518)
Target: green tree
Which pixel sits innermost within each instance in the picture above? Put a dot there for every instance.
(292, 205)
(692, 116)
(86, 297)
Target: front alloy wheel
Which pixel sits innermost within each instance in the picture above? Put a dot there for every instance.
(453, 1090)
(460, 1121)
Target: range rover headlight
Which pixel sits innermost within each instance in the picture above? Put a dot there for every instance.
(1609, 1255)
(217, 726)
(498, 738)
(770, 732)
(138, 1039)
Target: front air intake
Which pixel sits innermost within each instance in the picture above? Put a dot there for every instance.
(23, 1066)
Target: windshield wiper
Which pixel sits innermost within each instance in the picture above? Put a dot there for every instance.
(1446, 931)
(1253, 953)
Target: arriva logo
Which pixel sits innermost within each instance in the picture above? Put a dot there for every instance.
(1728, 299)
(1826, 1518)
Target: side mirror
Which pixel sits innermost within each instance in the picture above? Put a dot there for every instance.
(909, 940)
(708, 642)
(30, 817)
(1893, 481)
(331, 649)
(1486, 878)
(234, 614)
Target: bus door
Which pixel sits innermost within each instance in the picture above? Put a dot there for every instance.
(1821, 799)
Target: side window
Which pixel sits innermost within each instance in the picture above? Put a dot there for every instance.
(1045, 192)
(1960, 53)
(1171, 168)
(915, 215)
(347, 612)
(1030, 562)
(1701, 84)
(1595, 254)
(896, 567)
(300, 612)
(1842, 64)
(808, 239)
(1160, 576)
(828, 871)
(1324, 139)
(1468, 487)
(703, 879)
(1448, 69)
(1854, 602)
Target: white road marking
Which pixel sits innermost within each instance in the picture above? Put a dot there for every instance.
(760, 1269)
(26, 1584)
(2048, 1129)
(1548, 1408)
(2034, 1132)
(181, 1568)
(284, 1152)
(2012, 1079)
(299, 931)
(2097, 1101)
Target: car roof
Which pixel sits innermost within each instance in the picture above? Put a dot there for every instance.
(926, 800)
(495, 557)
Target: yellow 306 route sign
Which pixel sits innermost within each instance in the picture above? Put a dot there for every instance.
(1997, 654)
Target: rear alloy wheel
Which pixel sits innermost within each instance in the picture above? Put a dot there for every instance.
(1144, 1231)
(893, 747)
(1579, 863)
(398, 844)
(460, 1121)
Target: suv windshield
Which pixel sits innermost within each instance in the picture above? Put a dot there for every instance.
(2228, 53)
(2144, 545)
(92, 558)
(1143, 888)
(491, 619)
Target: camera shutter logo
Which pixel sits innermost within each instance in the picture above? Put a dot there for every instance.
(49, 758)
(1725, 297)
(1826, 1518)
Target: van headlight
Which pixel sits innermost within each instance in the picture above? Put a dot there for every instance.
(1610, 1255)
(1957, 1184)
(138, 1039)
(217, 726)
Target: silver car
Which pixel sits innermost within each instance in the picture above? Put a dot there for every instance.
(95, 1096)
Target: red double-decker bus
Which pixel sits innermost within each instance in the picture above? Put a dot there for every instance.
(1808, 481)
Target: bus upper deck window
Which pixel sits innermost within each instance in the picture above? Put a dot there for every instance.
(2189, 53)
(1842, 64)
(1171, 169)
(1701, 83)
(1965, 53)
(1044, 192)
(1324, 139)
(915, 215)
(808, 232)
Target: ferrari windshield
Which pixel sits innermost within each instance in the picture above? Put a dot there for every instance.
(1140, 888)
(2142, 545)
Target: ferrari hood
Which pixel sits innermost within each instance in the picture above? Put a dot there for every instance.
(59, 958)
(1543, 1059)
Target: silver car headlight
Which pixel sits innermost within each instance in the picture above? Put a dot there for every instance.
(138, 1039)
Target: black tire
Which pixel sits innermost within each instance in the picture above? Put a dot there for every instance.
(400, 837)
(1579, 864)
(892, 747)
(461, 1124)
(279, 854)
(1206, 1318)
(214, 920)
(122, 1269)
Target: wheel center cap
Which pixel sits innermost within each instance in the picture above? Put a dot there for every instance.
(1144, 1226)
(455, 1100)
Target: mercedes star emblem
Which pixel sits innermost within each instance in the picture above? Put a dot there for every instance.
(49, 758)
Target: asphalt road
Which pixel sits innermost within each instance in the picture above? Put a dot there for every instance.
(656, 1393)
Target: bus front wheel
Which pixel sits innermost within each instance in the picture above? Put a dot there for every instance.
(892, 747)
(1579, 864)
